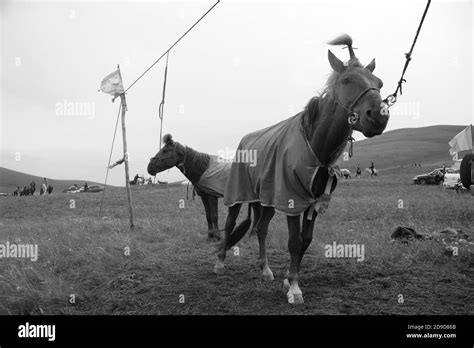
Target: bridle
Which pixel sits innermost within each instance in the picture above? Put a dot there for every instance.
(352, 116)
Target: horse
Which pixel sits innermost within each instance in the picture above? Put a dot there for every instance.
(207, 173)
(369, 171)
(49, 189)
(346, 173)
(138, 181)
(286, 178)
(32, 188)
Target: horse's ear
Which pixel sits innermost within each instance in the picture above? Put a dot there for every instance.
(168, 139)
(336, 64)
(371, 66)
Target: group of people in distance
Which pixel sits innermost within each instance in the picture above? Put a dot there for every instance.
(359, 171)
(31, 189)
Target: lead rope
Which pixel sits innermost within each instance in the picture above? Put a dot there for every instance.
(392, 98)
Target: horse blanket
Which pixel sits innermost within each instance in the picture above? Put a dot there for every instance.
(213, 180)
(283, 173)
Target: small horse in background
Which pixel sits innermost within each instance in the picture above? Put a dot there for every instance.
(346, 173)
(207, 173)
(369, 171)
(25, 191)
(32, 188)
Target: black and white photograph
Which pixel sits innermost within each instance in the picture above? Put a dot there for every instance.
(274, 169)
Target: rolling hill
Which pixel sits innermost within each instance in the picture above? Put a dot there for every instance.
(400, 147)
(403, 147)
(9, 179)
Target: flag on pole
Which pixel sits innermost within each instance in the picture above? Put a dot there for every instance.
(112, 84)
(462, 141)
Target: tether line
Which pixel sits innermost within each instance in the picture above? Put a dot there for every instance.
(110, 157)
(169, 49)
(392, 98)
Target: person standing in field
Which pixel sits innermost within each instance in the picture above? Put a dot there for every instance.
(86, 187)
(358, 171)
(44, 186)
(372, 167)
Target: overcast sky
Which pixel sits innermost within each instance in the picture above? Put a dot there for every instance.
(246, 66)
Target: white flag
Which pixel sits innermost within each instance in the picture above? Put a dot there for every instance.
(462, 141)
(112, 84)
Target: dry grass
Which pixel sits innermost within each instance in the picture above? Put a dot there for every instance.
(84, 256)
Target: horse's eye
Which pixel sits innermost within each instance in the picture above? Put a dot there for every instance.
(345, 80)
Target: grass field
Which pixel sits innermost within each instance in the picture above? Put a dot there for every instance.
(170, 261)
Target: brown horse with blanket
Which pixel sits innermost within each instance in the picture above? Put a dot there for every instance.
(295, 170)
(207, 173)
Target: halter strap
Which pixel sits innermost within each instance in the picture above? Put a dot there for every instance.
(353, 117)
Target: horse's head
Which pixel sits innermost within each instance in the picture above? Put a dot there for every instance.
(170, 155)
(357, 90)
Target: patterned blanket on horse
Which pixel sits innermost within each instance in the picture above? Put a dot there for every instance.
(213, 180)
(283, 173)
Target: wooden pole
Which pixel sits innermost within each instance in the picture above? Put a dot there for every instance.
(125, 156)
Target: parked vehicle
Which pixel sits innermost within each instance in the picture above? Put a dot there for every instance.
(451, 180)
(434, 177)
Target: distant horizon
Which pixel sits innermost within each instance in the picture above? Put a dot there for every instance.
(185, 179)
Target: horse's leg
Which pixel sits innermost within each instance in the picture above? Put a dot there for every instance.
(262, 230)
(205, 202)
(295, 243)
(257, 209)
(233, 213)
(213, 204)
(306, 234)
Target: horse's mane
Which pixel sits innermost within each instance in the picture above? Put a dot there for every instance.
(195, 162)
(309, 117)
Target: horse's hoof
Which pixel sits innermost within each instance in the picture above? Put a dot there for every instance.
(295, 298)
(213, 237)
(268, 277)
(286, 286)
(219, 269)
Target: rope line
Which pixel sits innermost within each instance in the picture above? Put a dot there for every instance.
(392, 98)
(110, 158)
(161, 108)
(172, 46)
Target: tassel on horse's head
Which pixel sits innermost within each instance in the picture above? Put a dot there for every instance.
(168, 139)
(337, 64)
(345, 40)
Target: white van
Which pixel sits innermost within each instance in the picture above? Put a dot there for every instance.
(452, 177)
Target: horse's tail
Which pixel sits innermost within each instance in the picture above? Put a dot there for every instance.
(239, 232)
